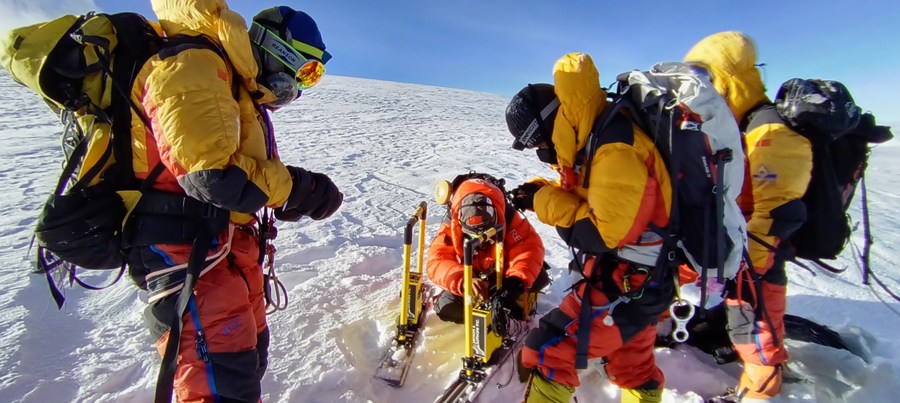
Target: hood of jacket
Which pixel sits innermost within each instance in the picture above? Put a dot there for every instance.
(730, 58)
(466, 188)
(577, 84)
(213, 19)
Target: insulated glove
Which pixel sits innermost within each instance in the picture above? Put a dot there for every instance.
(513, 287)
(523, 196)
(313, 195)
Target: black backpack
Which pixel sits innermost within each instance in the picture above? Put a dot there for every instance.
(695, 133)
(84, 66)
(824, 112)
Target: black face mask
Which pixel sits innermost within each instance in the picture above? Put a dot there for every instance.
(547, 155)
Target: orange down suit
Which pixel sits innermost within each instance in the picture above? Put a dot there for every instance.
(523, 247)
(217, 146)
(779, 166)
(629, 191)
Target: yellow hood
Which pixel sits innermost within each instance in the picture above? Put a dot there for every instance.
(730, 58)
(213, 19)
(577, 84)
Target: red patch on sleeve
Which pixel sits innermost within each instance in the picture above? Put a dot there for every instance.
(222, 74)
(764, 143)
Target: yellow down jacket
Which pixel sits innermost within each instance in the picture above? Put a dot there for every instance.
(779, 160)
(629, 185)
(216, 143)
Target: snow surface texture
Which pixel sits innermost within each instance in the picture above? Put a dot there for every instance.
(385, 144)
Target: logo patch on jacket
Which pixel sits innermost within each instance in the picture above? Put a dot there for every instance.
(764, 175)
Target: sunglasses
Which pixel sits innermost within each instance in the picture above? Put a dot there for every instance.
(307, 72)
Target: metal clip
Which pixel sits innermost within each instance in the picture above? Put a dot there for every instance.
(680, 334)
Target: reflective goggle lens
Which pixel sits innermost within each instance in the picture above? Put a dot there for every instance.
(307, 72)
(310, 74)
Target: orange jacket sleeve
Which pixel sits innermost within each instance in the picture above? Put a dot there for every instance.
(443, 266)
(524, 251)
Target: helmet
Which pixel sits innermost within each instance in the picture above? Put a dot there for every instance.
(289, 51)
(476, 213)
(530, 115)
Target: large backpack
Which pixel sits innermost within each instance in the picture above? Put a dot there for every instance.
(695, 132)
(84, 67)
(824, 112)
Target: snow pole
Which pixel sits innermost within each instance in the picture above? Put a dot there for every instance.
(410, 307)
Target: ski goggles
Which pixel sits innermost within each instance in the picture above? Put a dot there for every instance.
(307, 72)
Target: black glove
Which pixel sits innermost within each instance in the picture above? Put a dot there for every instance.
(504, 304)
(523, 196)
(313, 195)
(513, 287)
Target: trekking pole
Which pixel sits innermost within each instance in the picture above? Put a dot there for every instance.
(410, 306)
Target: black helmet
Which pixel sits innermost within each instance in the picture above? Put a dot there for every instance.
(530, 115)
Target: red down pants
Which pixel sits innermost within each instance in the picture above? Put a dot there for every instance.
(626, 342)
(230, 306)
(756, 305)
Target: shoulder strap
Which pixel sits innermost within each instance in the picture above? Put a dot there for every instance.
(510, 213)
(180, 43)
(751, 115)
(621, 103)
(761, 114)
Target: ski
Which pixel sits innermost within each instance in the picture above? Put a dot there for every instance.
(398, 356)
(414, 295)
(466, 387)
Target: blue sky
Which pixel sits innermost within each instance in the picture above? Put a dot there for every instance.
(498, 46)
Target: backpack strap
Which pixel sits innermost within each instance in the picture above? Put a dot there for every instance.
(620, 104)
(751, 118)
(180, 43)
(165, 380)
